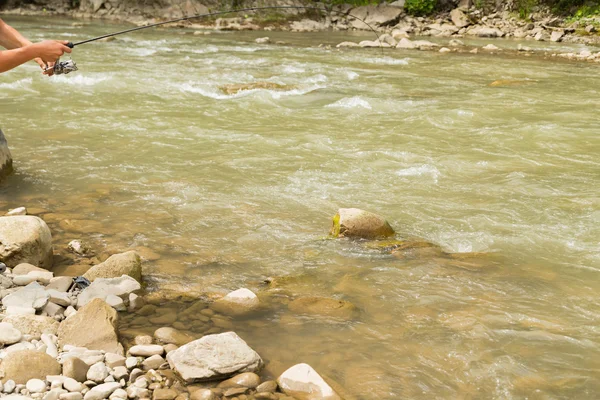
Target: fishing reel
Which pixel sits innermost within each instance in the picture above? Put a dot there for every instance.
(63, 67)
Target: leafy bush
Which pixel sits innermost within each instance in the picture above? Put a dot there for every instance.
(420, 7)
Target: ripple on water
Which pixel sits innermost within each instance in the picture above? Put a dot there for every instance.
(351, 102)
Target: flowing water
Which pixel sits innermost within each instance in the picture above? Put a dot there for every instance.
(142, 149)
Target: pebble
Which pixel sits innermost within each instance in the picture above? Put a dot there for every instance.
(9, 334)
(36, 386)
(267, 386)
(9, 386)
(118, 394)
(72, 385)
(120, 372)
(71, 396)
(98, 372)
(113, 360)
(131, 362)
(146, 350)
(153, 362)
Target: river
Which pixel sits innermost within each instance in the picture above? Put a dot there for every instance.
(141, 149)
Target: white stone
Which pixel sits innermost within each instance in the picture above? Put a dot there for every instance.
(17, 211)
(9, 334)
(131, 362)
(120, 372)
(115, 302)
(54, 394)
(146, 350)
(102, 391)
(71, 396)
(113, 360)
(36, 386)
(9, 386)
(50, 343)
(31, 296)
(303, 380)
(72, 385)
(98, 372)
(60, 298)
(119, 394)
(490, 47)
(16, 310)
(70, 311)
(102, 287)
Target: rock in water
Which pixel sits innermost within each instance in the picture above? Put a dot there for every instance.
(238, 302)
(214, 357)
(25, 239)
(92, 327)
(171, 335)
(323, 306)
(5, 157)
(101, 288)
(23, 365)
(356, 223)
(117, 265)
(302, 382)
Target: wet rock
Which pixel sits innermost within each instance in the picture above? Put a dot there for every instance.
(21, 366)
(238, 302)
(445, 50)
(356, 223)
(490, 47)
(33, 325)
(25, 239)
(78, 247)
(164, 394)
(323, 306)
(236, 88)
(459, 18)
(171, 335)
(267, 386)
(31, 296)
(303, 382)
(214, 357)
(117, 265)
(262, 40)
(17, 211)
(247, 380)
(8, 334)
(347, 44)
(99, 320)
(5, 157)
(101, 288)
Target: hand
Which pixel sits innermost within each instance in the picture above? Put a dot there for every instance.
(50, 50)
(48, 69)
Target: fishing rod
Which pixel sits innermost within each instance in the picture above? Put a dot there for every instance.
(64, 67)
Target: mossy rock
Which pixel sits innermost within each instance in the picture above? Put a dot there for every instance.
(360, 224)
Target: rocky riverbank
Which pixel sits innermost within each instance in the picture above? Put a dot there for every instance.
(61, 337)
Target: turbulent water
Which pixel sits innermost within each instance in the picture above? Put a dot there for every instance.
(142, 149)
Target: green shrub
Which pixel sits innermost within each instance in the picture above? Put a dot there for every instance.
(420, 7)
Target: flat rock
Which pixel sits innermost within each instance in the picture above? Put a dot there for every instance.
(23, 365)
(92, 327)
(357, 223)
(60, 283)
(170, 335)
(102, 391)
(146, 350)
(117, 265)
(31, 296)
(101, 288)
(302, 382)
(33, 325)
(25, 238)
(214, 357)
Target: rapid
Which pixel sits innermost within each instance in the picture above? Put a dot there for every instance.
(142, 149)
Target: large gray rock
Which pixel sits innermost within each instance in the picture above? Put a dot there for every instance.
(356, 223)
(23, 365)
(302, 382)
(25, 239)
(117, 265)
(92, 327)
(34, 325)
(214, 357)
(5, 157)
(101, 288)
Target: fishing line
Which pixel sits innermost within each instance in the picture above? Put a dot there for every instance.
(64, 67)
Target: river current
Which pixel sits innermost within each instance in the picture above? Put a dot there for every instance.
(142, 149)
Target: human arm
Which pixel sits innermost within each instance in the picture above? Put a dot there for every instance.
(48, 51)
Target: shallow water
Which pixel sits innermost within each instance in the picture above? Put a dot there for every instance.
(141, 149)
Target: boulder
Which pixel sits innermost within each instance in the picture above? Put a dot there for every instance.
(406, 43)
(214, 357)
(302, 382)
(5, 157)
(376, 15)
(23, 365)
(459, 18)
(356, 223)
(101, 288)
(92, 327)
(34, 325)
(75, 368)
(557, 36)
(128, 263)
(323, 306)
(238, 302)
(25, 239)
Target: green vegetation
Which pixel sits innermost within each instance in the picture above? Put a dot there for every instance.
(420, 7)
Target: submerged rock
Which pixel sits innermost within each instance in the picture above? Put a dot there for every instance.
(214, 357)
(92, 327)
(128, 263)
(356, 223)
(5, 157)
(238, 302)
(323, 306)
(302, 382)
(25, 239)
(236, 88)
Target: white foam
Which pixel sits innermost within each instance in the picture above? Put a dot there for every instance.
(290, 69)
(141, 52)
(215, 93)
(352, 75)
(20, 84)
(79, 80)
(351, 102)
(421, 170)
